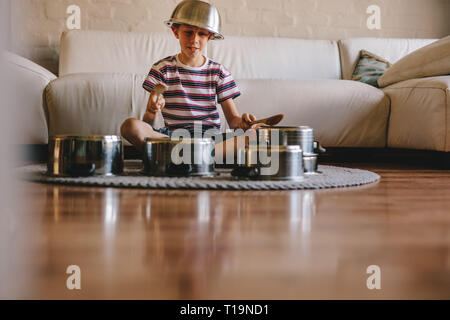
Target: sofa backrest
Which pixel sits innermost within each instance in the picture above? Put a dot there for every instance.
(246, 57)
(277, 58)
(113, 52)
(388, 48)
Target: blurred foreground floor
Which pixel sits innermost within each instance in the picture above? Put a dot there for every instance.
(163, 244)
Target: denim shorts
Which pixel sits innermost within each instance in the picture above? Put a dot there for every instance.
(164, 130)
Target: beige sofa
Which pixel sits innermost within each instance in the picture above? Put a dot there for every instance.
(101, 74)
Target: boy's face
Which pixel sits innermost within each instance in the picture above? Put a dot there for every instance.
(193, 40)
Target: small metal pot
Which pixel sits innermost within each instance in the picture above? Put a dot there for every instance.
(310, 163)
(179, 157)
(270, 163)
(77, 156)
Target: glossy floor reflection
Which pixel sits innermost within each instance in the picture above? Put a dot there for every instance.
(162, 244)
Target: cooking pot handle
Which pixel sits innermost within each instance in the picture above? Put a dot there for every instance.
(179, 169)
(318, 148)
(246, 172)
(81, 169)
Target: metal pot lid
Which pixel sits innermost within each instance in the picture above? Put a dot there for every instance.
(86, 138)
(178, 140)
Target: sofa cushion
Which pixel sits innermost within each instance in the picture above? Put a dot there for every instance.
(113, 52)
(369, 68)
(431, 60)
(342, 113)
(277, 58)
(420, 114)
(95, 103)
(390, 49)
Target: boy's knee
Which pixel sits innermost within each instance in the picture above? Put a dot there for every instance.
(128, 127)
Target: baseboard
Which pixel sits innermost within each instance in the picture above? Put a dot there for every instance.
(433, 159)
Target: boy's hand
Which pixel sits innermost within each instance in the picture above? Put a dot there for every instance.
(246, 120)
(157, 102)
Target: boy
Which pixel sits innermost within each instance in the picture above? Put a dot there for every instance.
(193, 84)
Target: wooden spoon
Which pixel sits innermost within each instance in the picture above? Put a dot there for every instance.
(271, 121)
(158, 90)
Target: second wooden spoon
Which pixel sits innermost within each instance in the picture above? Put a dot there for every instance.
(271, 121)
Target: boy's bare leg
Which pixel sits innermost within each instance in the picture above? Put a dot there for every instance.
(135, 131)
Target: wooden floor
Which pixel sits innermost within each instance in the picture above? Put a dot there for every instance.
(160, 244)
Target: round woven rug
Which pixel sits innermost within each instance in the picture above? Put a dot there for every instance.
(328, 177)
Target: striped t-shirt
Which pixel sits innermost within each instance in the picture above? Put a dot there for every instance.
(193, 93)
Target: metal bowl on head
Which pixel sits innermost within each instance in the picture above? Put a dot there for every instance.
(75, 156)
(199, 14)
(179, 157)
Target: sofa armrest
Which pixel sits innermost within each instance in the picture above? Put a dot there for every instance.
(94, 103)
(420, 114)
(28, 81)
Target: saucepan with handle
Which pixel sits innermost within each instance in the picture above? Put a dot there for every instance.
(78, 156)
(179, 157)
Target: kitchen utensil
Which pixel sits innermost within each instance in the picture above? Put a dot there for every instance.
(159, 89)
(286, 159)
(161, 157)
(301, 135)
(197, 13)
(85, 155)
(271, 121)
(310, 163)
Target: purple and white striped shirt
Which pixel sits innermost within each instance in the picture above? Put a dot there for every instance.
(193, 93)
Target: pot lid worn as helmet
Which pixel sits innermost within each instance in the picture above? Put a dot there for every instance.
(199, 14)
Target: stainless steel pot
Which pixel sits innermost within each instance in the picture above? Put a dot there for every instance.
(85, 155)
(302, 136)
(270, 163)
(179, 157)
(310, 163)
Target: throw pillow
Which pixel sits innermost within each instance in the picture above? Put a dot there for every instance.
(369, 68)
(431, 60)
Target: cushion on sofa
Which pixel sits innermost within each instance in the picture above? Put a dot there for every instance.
(420, 114)
(277, 58)
(431, 60)
(113, 52)
(369, 68)
(342, 113)
(390, 49)
(95, 103)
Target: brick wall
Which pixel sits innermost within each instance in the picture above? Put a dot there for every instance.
(37, 24)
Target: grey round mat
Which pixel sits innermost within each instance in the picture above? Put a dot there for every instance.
(328, 177)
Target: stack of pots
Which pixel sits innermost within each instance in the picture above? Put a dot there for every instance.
(302, 136)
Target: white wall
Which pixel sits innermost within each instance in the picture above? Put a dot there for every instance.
(37, 24)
